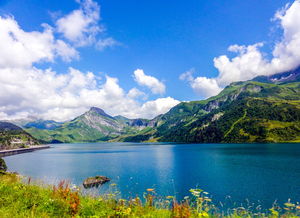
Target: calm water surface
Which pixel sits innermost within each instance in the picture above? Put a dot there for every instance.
(265, 172)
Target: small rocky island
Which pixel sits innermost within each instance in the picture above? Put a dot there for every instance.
(95, 181)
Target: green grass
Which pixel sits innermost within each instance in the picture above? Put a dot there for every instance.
(25, 199)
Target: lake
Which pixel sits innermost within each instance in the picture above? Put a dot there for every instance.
(264, 172)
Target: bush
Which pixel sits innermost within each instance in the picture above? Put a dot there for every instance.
(3, 166)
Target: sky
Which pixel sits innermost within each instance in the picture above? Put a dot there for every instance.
(136, 58)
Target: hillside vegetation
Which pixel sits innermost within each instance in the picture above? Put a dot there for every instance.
(93, 126)
(30, 200)
(12, 136)
(265, 109)
(243, 112)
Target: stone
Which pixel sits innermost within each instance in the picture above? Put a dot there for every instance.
(95, 181)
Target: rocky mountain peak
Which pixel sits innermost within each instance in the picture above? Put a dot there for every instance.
(98, 111)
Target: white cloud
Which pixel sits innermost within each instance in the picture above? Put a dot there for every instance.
(81, 26)
(105, 43)
(158, 106)
(203, 86)
(49, 95)
(151, 82)
(250, 62)
(135, 93)
(188, 75)
(20, 49)
(27, 91)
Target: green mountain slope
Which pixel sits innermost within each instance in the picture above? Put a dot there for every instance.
(243, 112)
(92, 126)
(265, 109)
(12, 136)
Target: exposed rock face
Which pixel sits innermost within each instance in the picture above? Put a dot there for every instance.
(215, 104)
(99, 111)
(95, 181)
(92, 126)
(141, 123)
(289, 76)
(104, 123)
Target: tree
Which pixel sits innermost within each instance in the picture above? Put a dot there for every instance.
(3, 166)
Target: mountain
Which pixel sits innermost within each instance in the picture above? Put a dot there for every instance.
(248, 111)
(289, 76)
(12, 136)
(265, 109)
(93, 126)
(42, 124)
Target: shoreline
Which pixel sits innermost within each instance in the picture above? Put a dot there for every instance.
(4, 153)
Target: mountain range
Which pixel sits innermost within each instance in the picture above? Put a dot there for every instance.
(264, 109)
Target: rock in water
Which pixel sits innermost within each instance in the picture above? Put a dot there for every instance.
(95, 181)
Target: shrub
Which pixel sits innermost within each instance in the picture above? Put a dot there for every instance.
(3, 166)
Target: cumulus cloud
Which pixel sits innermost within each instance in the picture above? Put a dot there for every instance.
(20, 49)
(203, 86)
(81, 26)
(28, 91)
(158, 106)
(49, 95)
(250, 62)
(135, 93)
(151, 82)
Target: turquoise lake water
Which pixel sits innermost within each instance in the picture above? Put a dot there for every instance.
(265, 172)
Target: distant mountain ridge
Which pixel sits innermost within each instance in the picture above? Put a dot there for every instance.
(43, 124)
(92, 126)
(289, 76)
(12, 136)
(265, 109)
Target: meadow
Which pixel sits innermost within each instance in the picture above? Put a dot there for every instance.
(21, 197)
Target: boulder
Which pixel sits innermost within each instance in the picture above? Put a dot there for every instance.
(95, 181)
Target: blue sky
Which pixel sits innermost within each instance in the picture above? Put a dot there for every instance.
(165, 39)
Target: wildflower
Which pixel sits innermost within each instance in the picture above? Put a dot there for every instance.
(127, 211)
(288, 204)
(196, 192)
(122, 201)
(274, 212)
(150, 189)
(74, 188)
(203, 214)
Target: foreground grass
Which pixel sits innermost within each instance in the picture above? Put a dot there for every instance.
(19, 199)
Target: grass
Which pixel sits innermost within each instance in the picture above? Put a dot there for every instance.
(25, 199)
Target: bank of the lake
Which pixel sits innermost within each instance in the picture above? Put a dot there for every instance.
(4, 153)
(255, 173)
(26, 199)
